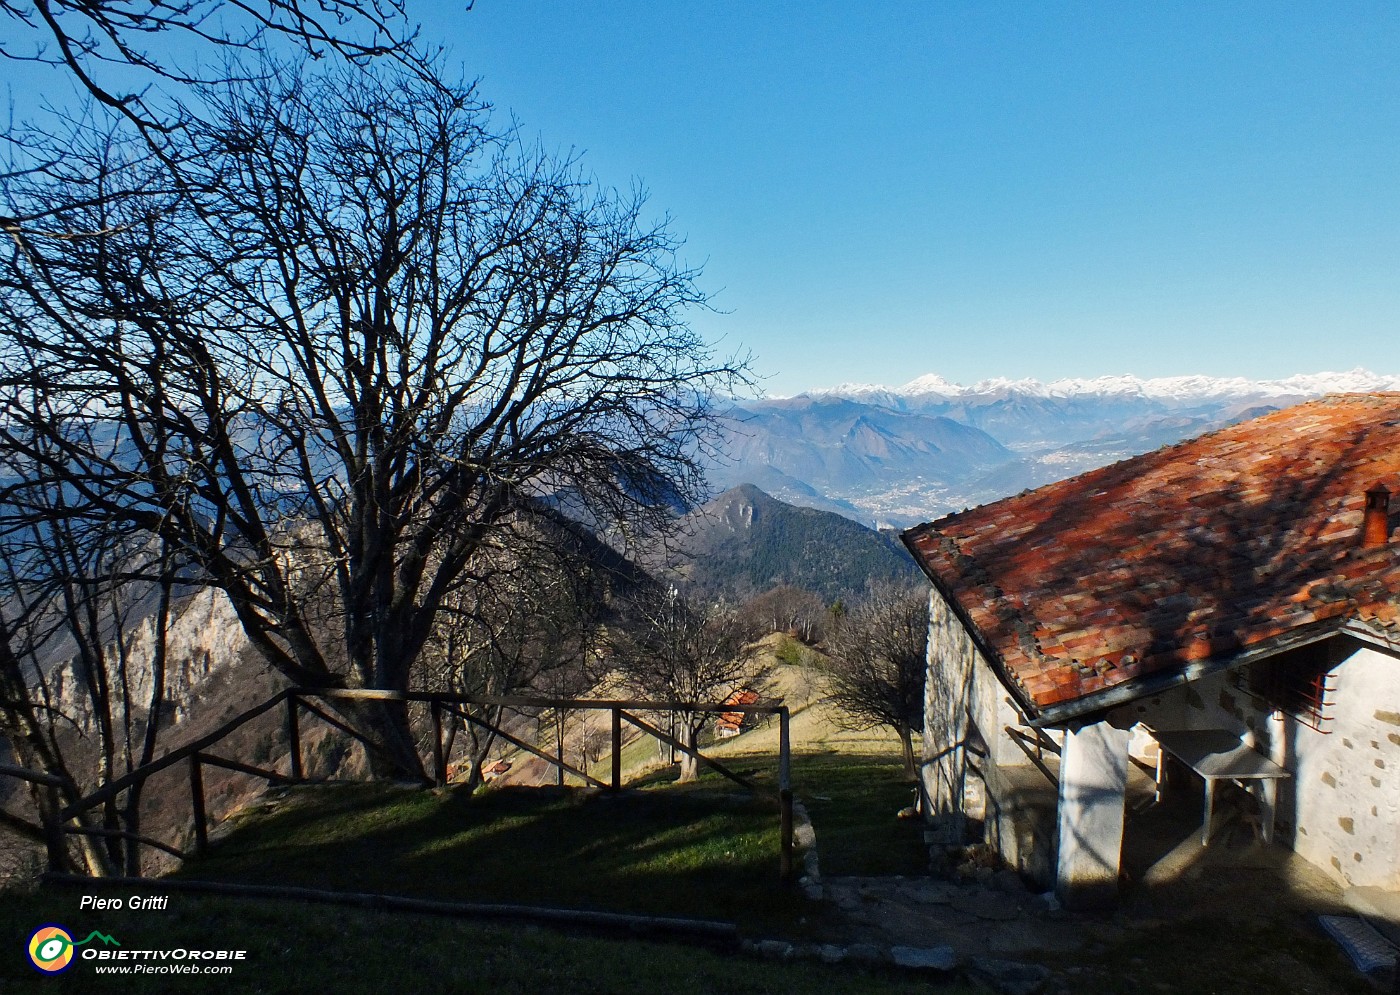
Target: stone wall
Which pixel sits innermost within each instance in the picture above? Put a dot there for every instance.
(1021, 821)
(966, 711)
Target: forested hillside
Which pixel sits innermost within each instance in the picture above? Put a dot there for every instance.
(744, 542)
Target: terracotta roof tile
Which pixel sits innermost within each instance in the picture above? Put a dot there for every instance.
(1189, 553)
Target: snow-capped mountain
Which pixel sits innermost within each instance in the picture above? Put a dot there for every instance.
(1031, 413)
(901, 455)
(1185, 388)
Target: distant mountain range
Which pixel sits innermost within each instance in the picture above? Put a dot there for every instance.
(1171, 389)
(900, 455)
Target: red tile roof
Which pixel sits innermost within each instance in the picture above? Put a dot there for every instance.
(734, 720)
(1195, 552)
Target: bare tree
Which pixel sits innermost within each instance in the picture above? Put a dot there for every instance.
(360, 343)
(794, 610)
(591, 743)
(673, 651)
(529, 624)
(879, 664)
(81, 684)
(137, 59)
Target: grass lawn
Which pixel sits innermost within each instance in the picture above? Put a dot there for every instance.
(698, 851)
(706, 850)
(853, 801)
(307, 948)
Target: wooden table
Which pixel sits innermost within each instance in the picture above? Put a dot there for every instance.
(1219, 755)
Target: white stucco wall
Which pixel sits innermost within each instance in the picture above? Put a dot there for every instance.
(1093, 783)
(1341, 808)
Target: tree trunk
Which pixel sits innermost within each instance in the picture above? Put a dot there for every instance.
(475, 776)
(391, 751)
(449, 743)
(690, 766)
(481, 749)
(906, 742)
(131, 815)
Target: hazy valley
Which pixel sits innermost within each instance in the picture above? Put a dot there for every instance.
(899, 456)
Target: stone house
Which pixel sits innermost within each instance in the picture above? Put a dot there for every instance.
(1239, 588)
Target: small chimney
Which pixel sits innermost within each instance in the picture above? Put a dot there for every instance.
(1375, 527)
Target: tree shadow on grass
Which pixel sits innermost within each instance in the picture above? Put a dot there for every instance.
(853, 801)
(654, 852)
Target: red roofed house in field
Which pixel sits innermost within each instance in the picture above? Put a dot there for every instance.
(730, 724)
(1234, 596)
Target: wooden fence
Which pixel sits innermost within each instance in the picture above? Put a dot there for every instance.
(296, 701)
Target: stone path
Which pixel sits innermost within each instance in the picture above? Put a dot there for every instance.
(978, 929)
(997, 918)
(981, 928)
(995, 931)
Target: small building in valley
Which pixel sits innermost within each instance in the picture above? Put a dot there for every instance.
(1233, 598)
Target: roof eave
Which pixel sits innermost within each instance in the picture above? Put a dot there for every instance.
(1372, 635)
(1149, 684)
(1156, 683)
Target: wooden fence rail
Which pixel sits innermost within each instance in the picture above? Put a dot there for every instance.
(1034, 748)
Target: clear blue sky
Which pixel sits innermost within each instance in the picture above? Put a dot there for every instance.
(879, 190)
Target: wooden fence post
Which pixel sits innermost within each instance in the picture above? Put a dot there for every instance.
(439, 760)
(617, 749)
(785, 794)
(201, 826)
(294, 736)
(559, 735)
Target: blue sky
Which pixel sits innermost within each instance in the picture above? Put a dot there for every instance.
(878, 190)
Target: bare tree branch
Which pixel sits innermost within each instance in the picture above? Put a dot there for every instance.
(101, 44)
